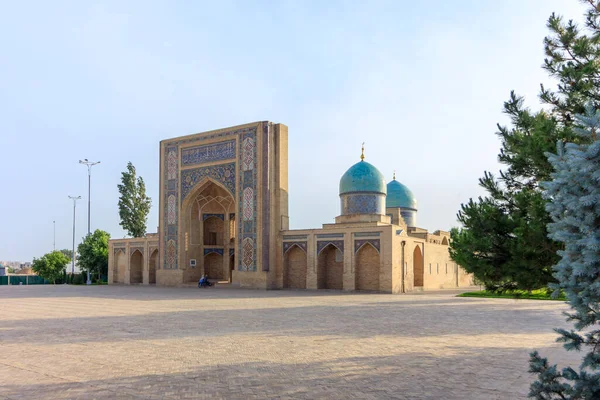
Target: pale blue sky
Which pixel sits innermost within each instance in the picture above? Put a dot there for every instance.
(422, 83)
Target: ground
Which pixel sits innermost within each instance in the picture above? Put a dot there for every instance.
(140, 342)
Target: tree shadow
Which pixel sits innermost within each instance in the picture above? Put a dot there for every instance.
(417, 375)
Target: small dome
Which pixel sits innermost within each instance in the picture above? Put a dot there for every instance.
(362, 177)
(399, 196)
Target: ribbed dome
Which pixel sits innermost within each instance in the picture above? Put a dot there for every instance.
(399, 196)
(362, 177)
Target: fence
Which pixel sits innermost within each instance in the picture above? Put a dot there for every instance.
(22, 280)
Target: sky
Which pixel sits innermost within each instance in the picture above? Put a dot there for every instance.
(421, 83)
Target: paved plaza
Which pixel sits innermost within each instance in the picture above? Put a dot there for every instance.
(140, 342)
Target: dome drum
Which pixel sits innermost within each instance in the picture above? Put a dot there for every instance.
(362, 203)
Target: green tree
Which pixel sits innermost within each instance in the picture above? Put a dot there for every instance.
(574, 195)
(50, 266)
(134, 205)
(68, 253)
(93, 253)
(503, 240)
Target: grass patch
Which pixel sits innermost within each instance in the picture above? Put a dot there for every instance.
(540, 294)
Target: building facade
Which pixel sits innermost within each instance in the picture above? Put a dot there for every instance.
(224, 212)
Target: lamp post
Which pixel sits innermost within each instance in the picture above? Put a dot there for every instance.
(89, 165)
(74, 198)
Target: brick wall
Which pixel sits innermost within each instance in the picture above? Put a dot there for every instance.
(367, 268)
(294, 274)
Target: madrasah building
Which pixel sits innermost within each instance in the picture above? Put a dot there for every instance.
(224, 212)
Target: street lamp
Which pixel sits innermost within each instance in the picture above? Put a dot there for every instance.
(74, 205)
(89, 165)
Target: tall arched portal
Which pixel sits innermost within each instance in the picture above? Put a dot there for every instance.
(367, 268)
(294, 271)
(120, 267)
(136, 268)
(330, 268)
(152, 266)
(418, 266)
(207, 236)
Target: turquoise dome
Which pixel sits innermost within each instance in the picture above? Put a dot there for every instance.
(362, 177)
(399, 196)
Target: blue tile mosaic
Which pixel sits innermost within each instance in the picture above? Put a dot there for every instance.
(208, 153)
(366, 234)
(213, 250)
(324, 243)
(289, 245)
(207, 216)
(360, 243)
(330, 235)
(222, 173)
(362, 203)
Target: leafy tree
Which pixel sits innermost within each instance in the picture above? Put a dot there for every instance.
(11, 270)
(574, 199)
(134, 205)
(50, 266)
(93, 253)
(503, 241)
(68, 253)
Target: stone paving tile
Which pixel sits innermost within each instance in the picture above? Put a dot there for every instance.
(119, 342)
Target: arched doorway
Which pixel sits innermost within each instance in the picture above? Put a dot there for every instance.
(330, 268)
(418, 266)
(213, 266)
(152, 266)
(445, 241)
(136, 268)
(231, 267)
(214, 230)
(206, 231)
(367, 268)
(120, 267)
(294, 271)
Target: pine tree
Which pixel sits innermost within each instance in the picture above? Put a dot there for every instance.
(134, 204)
(504, 240)
(574, 206)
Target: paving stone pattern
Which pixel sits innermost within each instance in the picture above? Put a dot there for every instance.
(118, 342)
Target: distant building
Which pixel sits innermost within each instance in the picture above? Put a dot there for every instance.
(2, 270)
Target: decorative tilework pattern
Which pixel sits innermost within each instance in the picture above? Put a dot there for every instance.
(289, 245)
(171, 210)
(294, 237)
(223, 173)
(330, 235)
(172, 164)
(171, 183)
(248, 207)
(170, 206)
(360, 243)
(119, 249)
(248, 254)
(363, 203)
(321, 244)
(248, 156)
(208, 153)
(207, 216)
(247, 201)
(212, 250)
(366, 234)
(231, 252)
(119, 244)
(171, 259)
